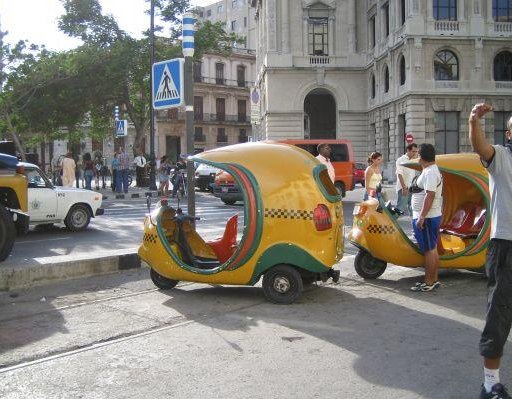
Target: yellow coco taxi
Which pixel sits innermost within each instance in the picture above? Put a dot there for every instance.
(465, 227)
(292, 234)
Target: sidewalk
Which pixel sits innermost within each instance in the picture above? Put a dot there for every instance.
(133, 191)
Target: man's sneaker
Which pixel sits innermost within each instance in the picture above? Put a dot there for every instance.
(424, 287)
(498, 392)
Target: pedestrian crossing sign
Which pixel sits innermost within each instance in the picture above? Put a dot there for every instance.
(168, 83)
(121, 128)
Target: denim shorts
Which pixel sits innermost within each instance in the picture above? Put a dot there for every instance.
(427, 236)
(498, 318)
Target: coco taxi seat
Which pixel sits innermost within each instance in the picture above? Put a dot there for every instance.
(462, 223)
(225, 246)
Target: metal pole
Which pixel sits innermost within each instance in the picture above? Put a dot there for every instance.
(188, 51)
(152, 163)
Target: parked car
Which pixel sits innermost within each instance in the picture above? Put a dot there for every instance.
(205, 176)
(226, 188)
(342, 160)
(13, 203)
(359, 169)
(49, 204)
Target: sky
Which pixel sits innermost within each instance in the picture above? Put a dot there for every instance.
(36, 20)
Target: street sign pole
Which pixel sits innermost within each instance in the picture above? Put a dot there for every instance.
(152, 162)
(189, 21)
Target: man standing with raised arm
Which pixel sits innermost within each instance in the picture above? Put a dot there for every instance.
(498, 161)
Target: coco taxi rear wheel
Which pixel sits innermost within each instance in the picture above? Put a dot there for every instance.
(162, 282)
(282, 284)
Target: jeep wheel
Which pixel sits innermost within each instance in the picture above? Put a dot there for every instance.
(78, 218)
(7, 233)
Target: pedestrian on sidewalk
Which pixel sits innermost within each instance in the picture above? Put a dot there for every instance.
(404, 178)
(497, 159)
(427, 203)
(88, 167)
(76, 158)
(68, 170)
(140, 167)
(179, 178)
(115, 166)
(163, 175)
(123, 171)
(324, 156)
(372, 175)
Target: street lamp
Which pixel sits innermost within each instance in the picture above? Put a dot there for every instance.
(152, 163)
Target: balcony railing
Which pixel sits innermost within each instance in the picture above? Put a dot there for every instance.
(222, 139)
(447, 26)
(319, 60)
(223, 82)
(200, 138)
(503, 27)
(225, 118)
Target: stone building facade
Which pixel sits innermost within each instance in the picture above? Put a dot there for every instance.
(374, 70)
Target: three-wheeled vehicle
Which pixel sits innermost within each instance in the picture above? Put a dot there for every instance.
(292, 234)
(464, 230)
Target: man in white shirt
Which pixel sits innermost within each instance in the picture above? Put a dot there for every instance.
(140, 165)
(427, 203)
(404, 178)
(324, 153)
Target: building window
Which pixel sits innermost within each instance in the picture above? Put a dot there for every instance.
(445, 10)
(402, 70)
(371, 27)
(208, 13)
(220, 9)
(500, 126)
(198, 134)
(240, 75)
(242, 111)
(245, 22)
(317, 36)
(386, 79)
(234, 3)
(198, 108)
(201, 14)
(197, 72)
(221, 135)
(233, 25)
(446, 66)
(385, 16)
(402, 11)
(220, 104)
(242, 136)
(447, 132)
(503, 66)
(372, 83)
(502, 10)
(219, 73)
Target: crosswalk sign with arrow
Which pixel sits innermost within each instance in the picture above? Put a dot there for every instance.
(168, 83)
(121, 127)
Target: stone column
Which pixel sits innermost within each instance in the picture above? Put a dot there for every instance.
(285, 26)
(305, 34)
(330, 33)
(271, 26)
(352, 26)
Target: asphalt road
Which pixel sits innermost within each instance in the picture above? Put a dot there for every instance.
(121, 227)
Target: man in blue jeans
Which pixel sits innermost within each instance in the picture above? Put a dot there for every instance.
(498, 161)
(122, 171)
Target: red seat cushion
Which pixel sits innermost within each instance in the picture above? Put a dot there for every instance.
(225, 246)
(464, 222)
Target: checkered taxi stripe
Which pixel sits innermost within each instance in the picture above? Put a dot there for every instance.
(149, 238)
(288, 214)
(380, 229)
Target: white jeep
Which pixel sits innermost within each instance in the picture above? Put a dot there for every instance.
(49, 204)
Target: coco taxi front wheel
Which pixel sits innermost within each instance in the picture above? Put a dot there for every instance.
(367, 266)
(282, 284)
(162, 282)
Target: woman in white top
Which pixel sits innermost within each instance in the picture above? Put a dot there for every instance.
(373, 175)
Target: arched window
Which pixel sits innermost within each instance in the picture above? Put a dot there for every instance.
(386, 79)
(401, 66)
(372, 83)
(446, 66)
(503, 66)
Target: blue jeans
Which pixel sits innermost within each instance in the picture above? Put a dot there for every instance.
(88, 176)
(404, 202)
(122, 180)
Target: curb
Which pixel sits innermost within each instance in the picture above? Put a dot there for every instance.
(134, 195)
(25, 276)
